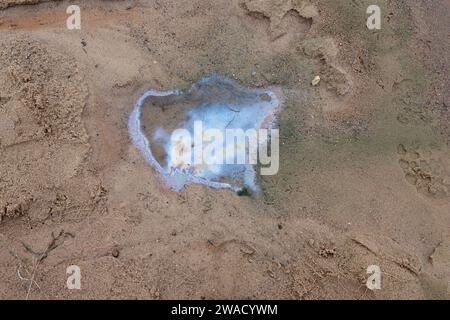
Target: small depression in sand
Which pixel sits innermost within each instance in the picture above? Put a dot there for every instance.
(168, 126)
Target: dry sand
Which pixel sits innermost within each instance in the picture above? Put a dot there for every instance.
(364, 167)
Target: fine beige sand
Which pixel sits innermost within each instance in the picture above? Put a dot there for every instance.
(364, 156)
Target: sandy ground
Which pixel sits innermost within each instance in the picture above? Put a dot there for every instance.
(364, 167)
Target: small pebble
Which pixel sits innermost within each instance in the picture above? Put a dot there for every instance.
(115, 253)
(315, 81)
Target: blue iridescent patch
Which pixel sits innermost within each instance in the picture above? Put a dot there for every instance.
(216, 105)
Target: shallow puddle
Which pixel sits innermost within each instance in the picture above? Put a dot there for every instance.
(201, 135)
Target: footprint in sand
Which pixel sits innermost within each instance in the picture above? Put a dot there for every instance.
(426, 169)
(283, 16)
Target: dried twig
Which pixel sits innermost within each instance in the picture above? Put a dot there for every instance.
(53, 244)
(36, 262)
(31, 279)
(38, 258)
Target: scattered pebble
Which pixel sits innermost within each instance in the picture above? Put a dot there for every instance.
(315, 81)
(115, 253)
